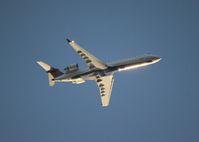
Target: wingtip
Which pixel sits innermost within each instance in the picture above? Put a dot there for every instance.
(105, 105)
(38, 62)
(68, 40)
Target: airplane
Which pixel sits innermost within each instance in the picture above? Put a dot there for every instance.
(97, 70)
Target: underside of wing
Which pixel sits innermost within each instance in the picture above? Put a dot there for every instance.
(91, 60)
(105, 86)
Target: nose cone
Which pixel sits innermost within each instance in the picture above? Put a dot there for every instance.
(156, 59)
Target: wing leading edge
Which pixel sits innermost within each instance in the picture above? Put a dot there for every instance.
(105, 87)
(90, 59)
(104, 83)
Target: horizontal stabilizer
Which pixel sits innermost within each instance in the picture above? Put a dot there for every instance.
(52, 72)
(45, 66)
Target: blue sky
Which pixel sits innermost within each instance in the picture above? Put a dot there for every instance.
(158, 103)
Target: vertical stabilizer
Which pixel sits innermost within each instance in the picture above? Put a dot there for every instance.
(52, 72)
(51, 82)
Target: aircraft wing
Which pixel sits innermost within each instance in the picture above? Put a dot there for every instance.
(105, 86)
(91, 60)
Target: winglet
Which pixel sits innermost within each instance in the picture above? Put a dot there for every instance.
(68, 40)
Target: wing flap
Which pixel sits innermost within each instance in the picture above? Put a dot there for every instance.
(105, 86)
(90, 59)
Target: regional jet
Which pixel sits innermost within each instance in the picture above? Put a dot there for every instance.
(97, 70)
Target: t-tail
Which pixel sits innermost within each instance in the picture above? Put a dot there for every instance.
(52, 72)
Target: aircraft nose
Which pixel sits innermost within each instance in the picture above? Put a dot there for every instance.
(157, 59)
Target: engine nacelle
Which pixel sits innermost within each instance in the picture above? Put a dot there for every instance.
(72, 68)
(78, 81)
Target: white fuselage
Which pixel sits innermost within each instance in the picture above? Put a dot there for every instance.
(81, 76)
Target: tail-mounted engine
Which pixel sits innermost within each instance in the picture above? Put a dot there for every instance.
(72, 68)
